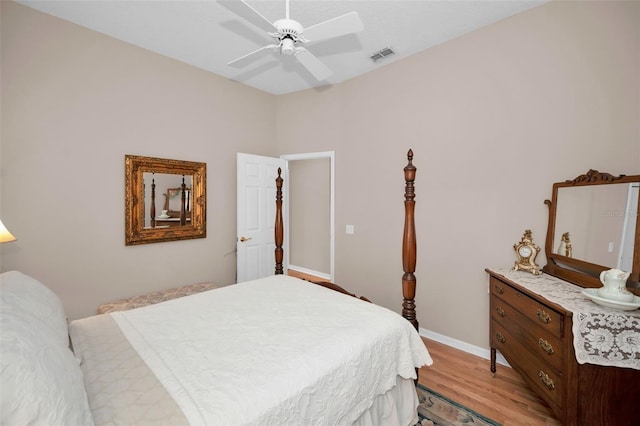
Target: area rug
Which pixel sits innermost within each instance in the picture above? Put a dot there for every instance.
(438, 410)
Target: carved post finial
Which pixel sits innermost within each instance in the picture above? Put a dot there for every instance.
(279, 228)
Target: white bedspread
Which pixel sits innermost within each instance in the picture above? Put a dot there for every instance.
(323, 356)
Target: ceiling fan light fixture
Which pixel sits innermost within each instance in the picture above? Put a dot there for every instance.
(287, 47)
(290, 36)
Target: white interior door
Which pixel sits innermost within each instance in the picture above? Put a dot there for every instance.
(256, 209)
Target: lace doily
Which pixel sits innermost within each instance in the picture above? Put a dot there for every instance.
(601, 335)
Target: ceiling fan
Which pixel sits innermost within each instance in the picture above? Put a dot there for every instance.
(289, 36)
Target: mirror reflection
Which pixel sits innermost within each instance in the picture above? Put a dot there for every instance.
(597, 224)
(594, 226)
(167, 200)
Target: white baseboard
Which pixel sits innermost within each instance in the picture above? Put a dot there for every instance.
(463, 346)
(310, 272)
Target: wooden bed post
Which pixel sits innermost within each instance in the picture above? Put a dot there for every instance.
(409, 245)
(183, 213)
(279, 231)
(153, 201)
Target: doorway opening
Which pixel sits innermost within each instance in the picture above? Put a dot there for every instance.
(310, 214)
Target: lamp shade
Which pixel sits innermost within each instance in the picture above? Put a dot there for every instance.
(5, 235)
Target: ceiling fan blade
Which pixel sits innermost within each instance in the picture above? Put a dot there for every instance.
(253, 56)
(319, 70)
(244, 10)
(345, 24)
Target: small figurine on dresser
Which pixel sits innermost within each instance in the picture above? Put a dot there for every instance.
(527, 251)
(565, 246)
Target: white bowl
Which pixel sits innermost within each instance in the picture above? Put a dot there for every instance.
(592, 293)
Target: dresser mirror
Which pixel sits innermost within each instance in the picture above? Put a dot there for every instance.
(594, 226)
(165, 200)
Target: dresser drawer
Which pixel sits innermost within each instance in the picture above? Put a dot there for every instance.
(535, 311)
(546, 381)
(536, 339)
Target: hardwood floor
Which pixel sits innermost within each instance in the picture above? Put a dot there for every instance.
(466, 378)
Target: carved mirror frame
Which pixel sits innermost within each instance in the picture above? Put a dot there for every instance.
(578, 271)
(135, 231)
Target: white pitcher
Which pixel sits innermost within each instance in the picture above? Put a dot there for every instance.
(615, 286)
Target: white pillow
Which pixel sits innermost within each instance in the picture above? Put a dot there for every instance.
(34, 303)
(41, 380)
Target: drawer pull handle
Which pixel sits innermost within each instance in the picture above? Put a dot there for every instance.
(543, 316)
(544, 378)
(546, 346)
(500, 337)
(499, 289)
(500, 311)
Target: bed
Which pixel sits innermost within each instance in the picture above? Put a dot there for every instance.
(274, 351)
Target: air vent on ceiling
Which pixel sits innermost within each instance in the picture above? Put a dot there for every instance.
(381, 54)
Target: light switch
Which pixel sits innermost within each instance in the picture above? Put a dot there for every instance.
(611, 247)
(349, 229)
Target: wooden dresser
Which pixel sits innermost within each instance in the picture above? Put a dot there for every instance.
(535, 336)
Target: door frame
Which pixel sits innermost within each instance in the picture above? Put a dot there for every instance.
(314, 156)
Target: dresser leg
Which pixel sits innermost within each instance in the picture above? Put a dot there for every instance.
(493, 362)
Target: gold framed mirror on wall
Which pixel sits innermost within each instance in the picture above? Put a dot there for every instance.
(594, 225)
(165, 200)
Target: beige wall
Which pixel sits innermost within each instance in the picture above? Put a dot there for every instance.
(310, 226)
(494, 118)
(74, 102)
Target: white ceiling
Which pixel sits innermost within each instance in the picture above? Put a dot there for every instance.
(208, 35)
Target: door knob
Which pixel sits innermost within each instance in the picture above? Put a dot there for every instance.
(243, 239)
